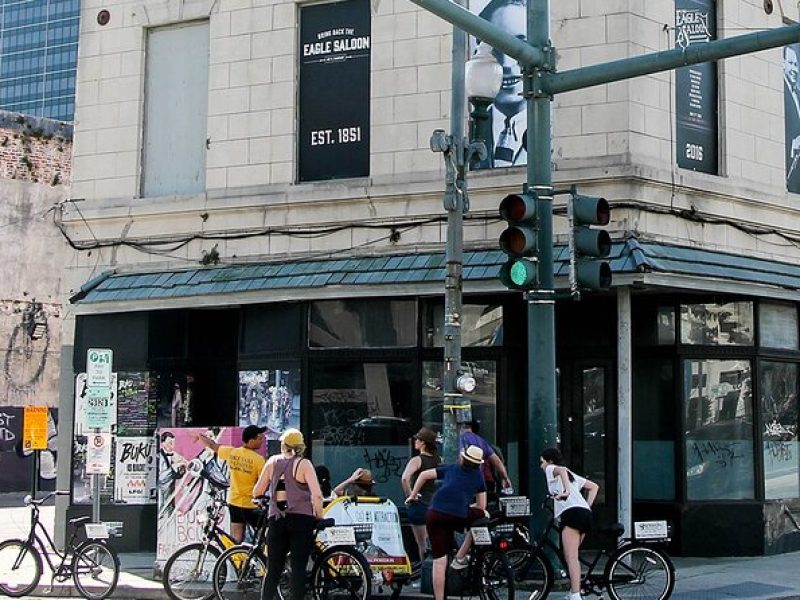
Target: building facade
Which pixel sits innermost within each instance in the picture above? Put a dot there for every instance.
(38, 57)
(261, 229)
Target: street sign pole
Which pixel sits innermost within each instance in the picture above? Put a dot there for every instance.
(99, 363)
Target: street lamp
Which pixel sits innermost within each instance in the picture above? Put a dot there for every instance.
(483, 80)
(484, 76)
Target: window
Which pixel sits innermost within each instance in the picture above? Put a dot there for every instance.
(729, 324)
(778, 325)
(176, 110)
(361, 418)
(778, 391)
(718, 409)
(362, 324)
(653, 430)
(481, 325)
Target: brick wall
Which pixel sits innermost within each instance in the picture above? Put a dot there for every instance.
(35, 150)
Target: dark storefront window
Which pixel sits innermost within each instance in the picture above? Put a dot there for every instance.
(361, 417)
(654, 430)
(593, 382)
(718, 403)
(362, 324)
(481, 325)
(484, 398)
(778, 326)
(727, 324)
(778, 396)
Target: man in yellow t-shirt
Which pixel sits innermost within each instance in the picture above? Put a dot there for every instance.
(244, 465)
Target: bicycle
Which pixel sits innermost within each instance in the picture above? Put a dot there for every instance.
(488, 572)
(187, 573)
(94, 565)
(634, 569)
(338, 569)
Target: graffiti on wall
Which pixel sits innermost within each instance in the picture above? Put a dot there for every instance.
(29, 363)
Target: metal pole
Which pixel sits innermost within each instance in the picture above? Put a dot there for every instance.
(96, 494)
(456, 408)
(542, 426)
(35, 474)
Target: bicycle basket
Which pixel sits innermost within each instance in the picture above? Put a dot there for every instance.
(363, 532)
(515, 506)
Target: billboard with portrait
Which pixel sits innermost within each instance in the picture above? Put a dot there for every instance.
(791, 114)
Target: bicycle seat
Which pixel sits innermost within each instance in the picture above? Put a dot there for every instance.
(324, 524)
(77, 520)
(615, 529)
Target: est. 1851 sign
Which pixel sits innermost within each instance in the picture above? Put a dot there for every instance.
(335, 51)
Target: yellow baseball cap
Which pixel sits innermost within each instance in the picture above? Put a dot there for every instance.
(292, 437)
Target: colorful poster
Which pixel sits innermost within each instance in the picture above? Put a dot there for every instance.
(135, 470)
(34, 428)
(186, 473)
(335, 41)
(136, 406)
(270, 399)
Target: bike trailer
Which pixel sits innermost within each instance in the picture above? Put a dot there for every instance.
(383, 548)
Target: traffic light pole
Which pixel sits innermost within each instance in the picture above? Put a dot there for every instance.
(542, 82)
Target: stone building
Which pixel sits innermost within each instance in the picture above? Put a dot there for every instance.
(217, 239)
(35, 173)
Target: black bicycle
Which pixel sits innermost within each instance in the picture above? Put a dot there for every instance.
(92, 564)
(187, 573)
(637, 568)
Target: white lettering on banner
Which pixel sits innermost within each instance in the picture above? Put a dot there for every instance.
(336, 46)
(342, 135)
(135, 475)
(694, 152)
(6, 434)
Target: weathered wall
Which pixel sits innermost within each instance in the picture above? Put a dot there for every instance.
(34, 176)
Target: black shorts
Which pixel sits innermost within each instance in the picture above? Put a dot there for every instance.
(576, 518)
(244, 515)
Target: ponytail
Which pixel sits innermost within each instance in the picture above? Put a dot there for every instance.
(554, 456)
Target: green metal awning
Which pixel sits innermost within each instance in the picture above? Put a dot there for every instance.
(628, 257)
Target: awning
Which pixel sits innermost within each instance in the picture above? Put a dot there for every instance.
(632, 260)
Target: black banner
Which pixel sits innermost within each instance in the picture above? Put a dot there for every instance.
(696, 89)
(335, 41)
(791, 115)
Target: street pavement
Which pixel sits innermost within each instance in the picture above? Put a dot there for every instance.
(753, 578)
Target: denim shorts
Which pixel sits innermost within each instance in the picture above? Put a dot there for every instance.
(416, 513)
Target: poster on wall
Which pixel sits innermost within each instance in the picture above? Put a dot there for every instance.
(270, 399)
(791, 112)
(16, 462)
(135, 470)
(508, 112)
(174, 394)
(136, 403)
(187, 473)
(696, 101)
(335, 47)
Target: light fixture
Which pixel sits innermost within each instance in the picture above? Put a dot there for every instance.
(483, 75)
(466, 383)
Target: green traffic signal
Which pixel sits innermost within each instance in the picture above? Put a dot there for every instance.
(519, 273)
(519, 241)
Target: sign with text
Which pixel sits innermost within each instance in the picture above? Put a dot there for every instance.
(335, 52)
(98, 367)
(135, 470)
(34, 428)
(100, 408)
(696, 89)
(98, 454)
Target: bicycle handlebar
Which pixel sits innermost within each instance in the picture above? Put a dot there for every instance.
(30, 500)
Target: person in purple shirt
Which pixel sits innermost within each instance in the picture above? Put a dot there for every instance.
(469, 437)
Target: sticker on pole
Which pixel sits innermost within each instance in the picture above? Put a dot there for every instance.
(98, 367)
(34, 428)
(98, 454)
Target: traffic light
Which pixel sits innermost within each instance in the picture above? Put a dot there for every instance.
(518, 241)
(588, 245)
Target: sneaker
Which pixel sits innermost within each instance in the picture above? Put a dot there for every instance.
(459, 563)
(573, 596)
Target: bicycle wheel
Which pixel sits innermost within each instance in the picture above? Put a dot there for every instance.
(239, 573)
(20, 568)
(95, 570)
(187, 573)
(533, 572)
(640, 572)
(496, 577)
(341, 572)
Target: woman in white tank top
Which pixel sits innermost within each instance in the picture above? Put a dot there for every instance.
(572, 509)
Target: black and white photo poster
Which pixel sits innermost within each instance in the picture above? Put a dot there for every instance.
(335, 51)
(696, 89)
(791, 115)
